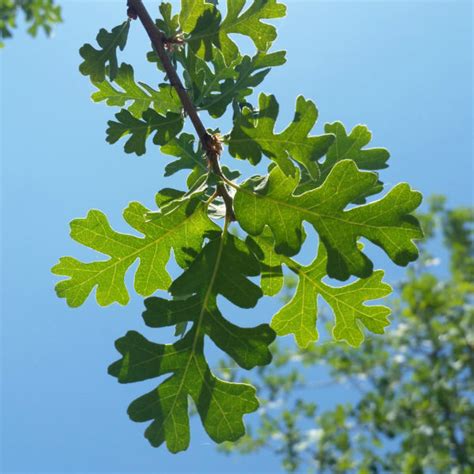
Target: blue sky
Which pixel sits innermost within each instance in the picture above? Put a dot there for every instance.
(403, 68)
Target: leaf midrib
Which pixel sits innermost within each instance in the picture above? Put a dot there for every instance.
(197, 331)
(319, 215)
(117, 260)
(114, 42)
(321, 287)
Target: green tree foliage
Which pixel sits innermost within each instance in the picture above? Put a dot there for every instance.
(322, 180)
(39, 15)
(411, 406)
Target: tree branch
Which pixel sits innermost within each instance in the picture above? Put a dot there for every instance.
(210, 143)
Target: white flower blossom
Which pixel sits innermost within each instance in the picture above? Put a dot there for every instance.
(314, 434)
(399, 359)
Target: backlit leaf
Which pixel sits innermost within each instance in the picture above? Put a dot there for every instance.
(386, 222)
(253, 135)
(203, 24)
(221, 405)
(95, 60)
(214, 89)
(182, 229)
(223, 268)
(183, 147)
(164, 127)
(351, 147)
(299, 316)
(139, 95)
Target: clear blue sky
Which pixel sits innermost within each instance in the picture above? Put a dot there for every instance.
(401, 67)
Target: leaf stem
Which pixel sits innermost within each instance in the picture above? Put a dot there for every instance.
(230, 183)
(157, 38)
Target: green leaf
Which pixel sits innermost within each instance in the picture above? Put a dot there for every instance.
(272, 279)
(299, 316)
(182, 147)
(214, 89)
(169, 24)
(227, 266)
(183, 228)
(140, 96)
(202, 22)
(221, 405)
(222, 267)
(165, 129)
(253, 135)
(247, 346)
(386, 222)
(350, 147)
(95, 60)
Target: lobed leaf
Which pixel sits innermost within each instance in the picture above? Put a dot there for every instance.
(299, 316)
(183, 148)
(386, 222)
(214, 89)
(140, 95)
(189, 158)
(164, 127)
(169, 23)
(221, 405)
(223, 267)
(350, 147)
(95, 60)
(204, 27)
(253, 135)
(181, 227)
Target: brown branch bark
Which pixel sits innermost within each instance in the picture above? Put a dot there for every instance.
(212, 149)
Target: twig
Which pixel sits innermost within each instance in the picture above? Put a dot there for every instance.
(208, 141)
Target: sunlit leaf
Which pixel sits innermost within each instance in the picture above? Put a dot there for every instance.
(139, 96)
(299, 316)
(254, 135)
(96, 60)
(385, 222)
(164, 128)
(183, 229)
(204, 27)
(223, 268)
(215, 88)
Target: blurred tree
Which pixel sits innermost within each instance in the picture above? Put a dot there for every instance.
(39, 14)
(410, 393)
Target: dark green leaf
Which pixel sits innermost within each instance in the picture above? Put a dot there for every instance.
(221, 268)
(221, 405)
(182, 147)
(140, 95)
(253, 135)
(165, 129)
(95, 60)
(215, 89)
(386, 222)
(169, 23)
(202, 22)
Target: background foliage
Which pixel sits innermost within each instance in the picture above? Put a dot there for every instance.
(408, 404)
(38, 15)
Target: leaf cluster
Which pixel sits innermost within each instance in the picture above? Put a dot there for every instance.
(410, 408)
(38, 14)
(317, 180)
